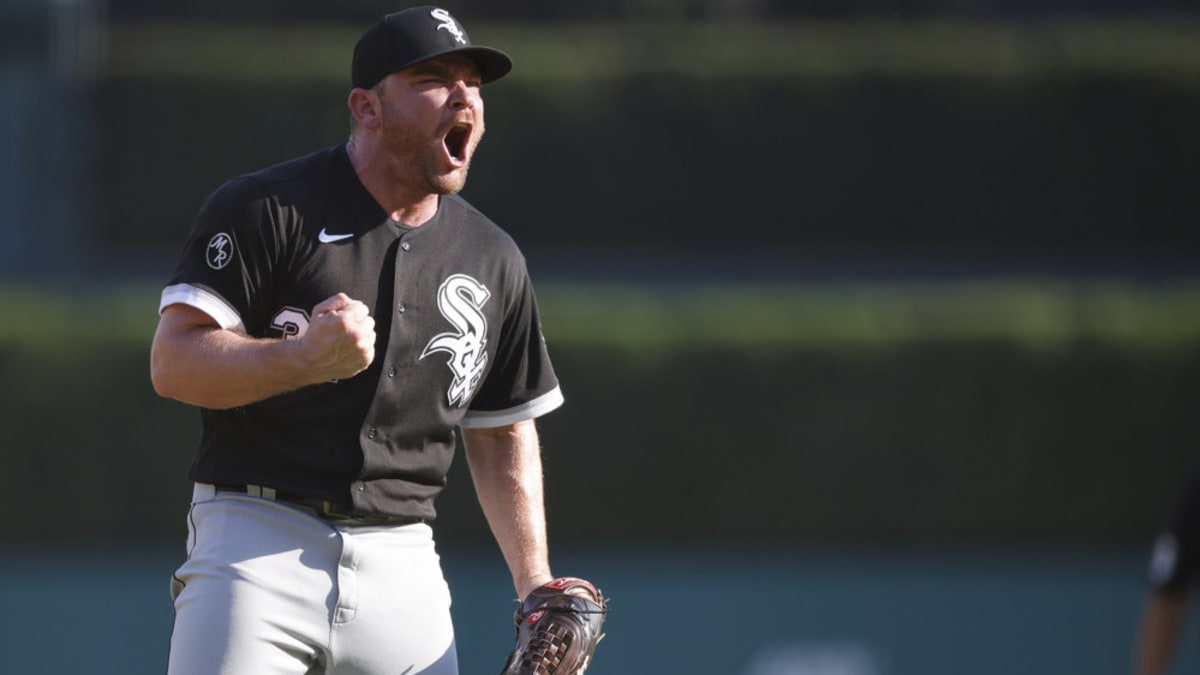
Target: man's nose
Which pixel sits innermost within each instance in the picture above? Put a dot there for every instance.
(464, 96)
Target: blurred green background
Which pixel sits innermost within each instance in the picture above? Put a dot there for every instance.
(867, 299)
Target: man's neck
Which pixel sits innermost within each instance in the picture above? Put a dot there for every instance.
(413, 208)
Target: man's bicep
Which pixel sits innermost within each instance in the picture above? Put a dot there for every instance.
(179, 345)
(181, 326)
(504, 450)
(503, 435)
(179, 316)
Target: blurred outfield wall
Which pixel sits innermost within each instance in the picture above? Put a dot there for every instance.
(1066, 145)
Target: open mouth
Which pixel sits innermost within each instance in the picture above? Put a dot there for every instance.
(456, 142)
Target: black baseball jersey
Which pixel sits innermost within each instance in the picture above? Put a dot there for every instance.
(459, 340)
(1175, 561)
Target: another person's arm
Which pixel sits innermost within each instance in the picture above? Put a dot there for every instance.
(1158, 636)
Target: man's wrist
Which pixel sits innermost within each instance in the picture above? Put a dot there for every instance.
(526, 585)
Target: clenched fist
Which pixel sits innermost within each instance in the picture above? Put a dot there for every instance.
(340, 341)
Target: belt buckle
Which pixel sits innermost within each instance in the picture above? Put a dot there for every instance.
(328, 510)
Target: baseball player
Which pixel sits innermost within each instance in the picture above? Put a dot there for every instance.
(337, 318)
(1173, 573)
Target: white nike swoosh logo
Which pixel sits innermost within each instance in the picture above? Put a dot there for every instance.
(326, 238)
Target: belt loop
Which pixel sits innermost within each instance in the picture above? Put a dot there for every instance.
(260, 491)
(203, 492)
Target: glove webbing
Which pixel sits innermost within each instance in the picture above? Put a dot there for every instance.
(544, 654)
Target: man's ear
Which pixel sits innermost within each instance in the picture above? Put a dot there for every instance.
(364, 106)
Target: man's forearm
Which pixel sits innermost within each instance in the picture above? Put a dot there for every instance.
(217, 369)
(195, 361)
(506, 468)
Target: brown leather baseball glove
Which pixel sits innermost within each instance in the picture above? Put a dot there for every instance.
(558, 627)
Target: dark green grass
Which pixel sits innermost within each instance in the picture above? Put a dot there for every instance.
(1029, 313)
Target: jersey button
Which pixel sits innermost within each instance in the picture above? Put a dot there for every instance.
(401, 308)
(391, 371)
(371, 433)
(405, 245)
(361, 486)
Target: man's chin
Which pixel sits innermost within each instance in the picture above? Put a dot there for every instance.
(449, 183)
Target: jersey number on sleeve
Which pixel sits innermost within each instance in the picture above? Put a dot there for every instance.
(292, 322)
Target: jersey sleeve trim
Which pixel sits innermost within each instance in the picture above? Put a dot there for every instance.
(206, 301)
(483, 419)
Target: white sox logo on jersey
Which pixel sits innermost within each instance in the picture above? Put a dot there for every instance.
(461, 299)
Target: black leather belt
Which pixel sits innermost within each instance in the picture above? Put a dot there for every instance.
(323, 509)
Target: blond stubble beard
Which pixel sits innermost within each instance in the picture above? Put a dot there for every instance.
(425, 170)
